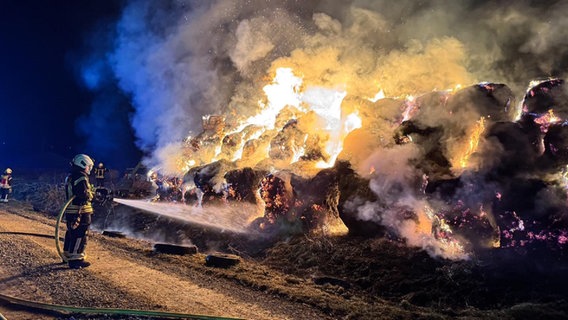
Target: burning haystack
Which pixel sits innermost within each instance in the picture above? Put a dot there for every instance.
(330, 116)
(476, 176)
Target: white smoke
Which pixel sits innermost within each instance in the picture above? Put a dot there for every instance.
(182, 60)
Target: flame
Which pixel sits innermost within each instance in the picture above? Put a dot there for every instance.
(249, 141)
(495, 241)
(546, 120)
(283, 91)
(335, 145)
(461, 161)
(372, 170)
(352, 122)
(217, 153)
(410, 103)
(300, 151)
(378, 96)
(188, 165)
(337, 228)
(434, 230)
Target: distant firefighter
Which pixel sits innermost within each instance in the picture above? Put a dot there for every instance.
(100, 175)
(78, 213)
(5, 185)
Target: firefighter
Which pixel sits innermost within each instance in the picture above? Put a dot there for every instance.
(78, 213)
(5, 185)
(100, 175)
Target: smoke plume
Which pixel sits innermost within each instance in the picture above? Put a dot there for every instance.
(179, 61)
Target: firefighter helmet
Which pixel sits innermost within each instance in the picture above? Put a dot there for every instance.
(100, 165)
(83, 161)
(8, 171)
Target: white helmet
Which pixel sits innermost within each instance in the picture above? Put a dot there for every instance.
(8, 171)
(101, 165)
(83, 161)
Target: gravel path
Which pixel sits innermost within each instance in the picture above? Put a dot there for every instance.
(124, 274)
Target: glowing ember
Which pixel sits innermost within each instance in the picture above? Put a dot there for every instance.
(439, 234)
(546, 120)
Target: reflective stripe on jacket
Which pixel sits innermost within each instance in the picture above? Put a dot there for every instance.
(100, 173)
(78, 185)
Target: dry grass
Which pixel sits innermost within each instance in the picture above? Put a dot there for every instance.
(46, 192)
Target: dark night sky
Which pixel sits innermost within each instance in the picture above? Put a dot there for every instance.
(41, 95)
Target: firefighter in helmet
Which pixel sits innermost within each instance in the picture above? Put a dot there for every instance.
(5, 185)
(100, 171)
(78, 213)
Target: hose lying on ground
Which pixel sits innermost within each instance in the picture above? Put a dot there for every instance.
(106, 311)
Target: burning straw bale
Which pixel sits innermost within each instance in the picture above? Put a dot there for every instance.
(209, 179)
(434, 162)
(510, 148)
(556, 146)
(380, 119)
(318, 200)
(297, 204)
(494, 101)
(415, 169)
(547, 95)
(277, 195)
(290, 202)
(355, 191)
(243, 184)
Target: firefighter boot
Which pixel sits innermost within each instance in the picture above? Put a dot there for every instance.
(78, 264)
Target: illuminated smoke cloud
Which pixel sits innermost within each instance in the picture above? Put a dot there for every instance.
(182, 60)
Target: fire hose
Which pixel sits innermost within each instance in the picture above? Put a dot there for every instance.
(105, 311)
(57, 223)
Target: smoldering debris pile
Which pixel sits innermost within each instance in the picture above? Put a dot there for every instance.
(451, 172)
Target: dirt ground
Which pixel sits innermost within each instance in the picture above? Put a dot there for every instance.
(301, 278)
(124, 274)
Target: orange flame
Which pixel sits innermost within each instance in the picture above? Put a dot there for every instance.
(546, 120)
(463, 154)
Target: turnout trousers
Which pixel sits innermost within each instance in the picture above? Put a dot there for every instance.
(76, 236)
(4, 192)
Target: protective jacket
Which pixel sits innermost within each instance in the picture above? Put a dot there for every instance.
(100, 172)
(6, 181)
(78, 185)
(5, 186)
